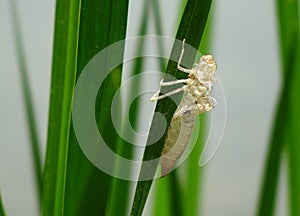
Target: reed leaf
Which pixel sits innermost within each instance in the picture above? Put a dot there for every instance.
(102, 23)
(2, 212)
(289, 34)
(191, 28)
(119, 196)
(62, 86)
(284, 127)
(28, 101)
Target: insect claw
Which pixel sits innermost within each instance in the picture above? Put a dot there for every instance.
(213, 101)
(161, 82)
(154, 97)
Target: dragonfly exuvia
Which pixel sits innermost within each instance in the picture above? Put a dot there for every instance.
(197, 100)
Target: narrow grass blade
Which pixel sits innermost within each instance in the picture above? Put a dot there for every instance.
(27, 95)
(62, 86)
(168, 190)
(293, 138)
(271, 173)
(191, 196)
(284, 130)
(191, 188)
(119, 196)
(177, 208)
(2, 212)
(102, 23)
(168, 195)
(191, 28)
(162, 199)
(289, 26)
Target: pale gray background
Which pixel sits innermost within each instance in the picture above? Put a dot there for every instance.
(245, 46)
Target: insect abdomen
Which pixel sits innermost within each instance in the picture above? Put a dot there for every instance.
(178, 136)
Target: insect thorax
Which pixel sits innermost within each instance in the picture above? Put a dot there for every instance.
(196, 89)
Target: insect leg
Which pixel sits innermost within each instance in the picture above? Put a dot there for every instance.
(180, 59)
(162, 83)
(157, 97)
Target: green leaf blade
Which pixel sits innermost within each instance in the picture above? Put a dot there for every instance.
(192, 185)
(289, 32)
(2, 212)
(120, 189)
(28, 101)
(61, 94)
(102, 23)
(286, 121)
(191, 28)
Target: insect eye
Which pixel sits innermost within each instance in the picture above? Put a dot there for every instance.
(211, 61)
(192, 76)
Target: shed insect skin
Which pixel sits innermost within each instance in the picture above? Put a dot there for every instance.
(197, 100)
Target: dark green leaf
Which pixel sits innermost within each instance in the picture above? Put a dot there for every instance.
(165, 201)
(293, 148)
(191, 187)
(289, 31)
(191, 28)
(102, 23)
(2, 212)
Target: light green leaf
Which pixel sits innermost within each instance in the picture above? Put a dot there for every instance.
(27, 95)
(286, 127)
(64, 68)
